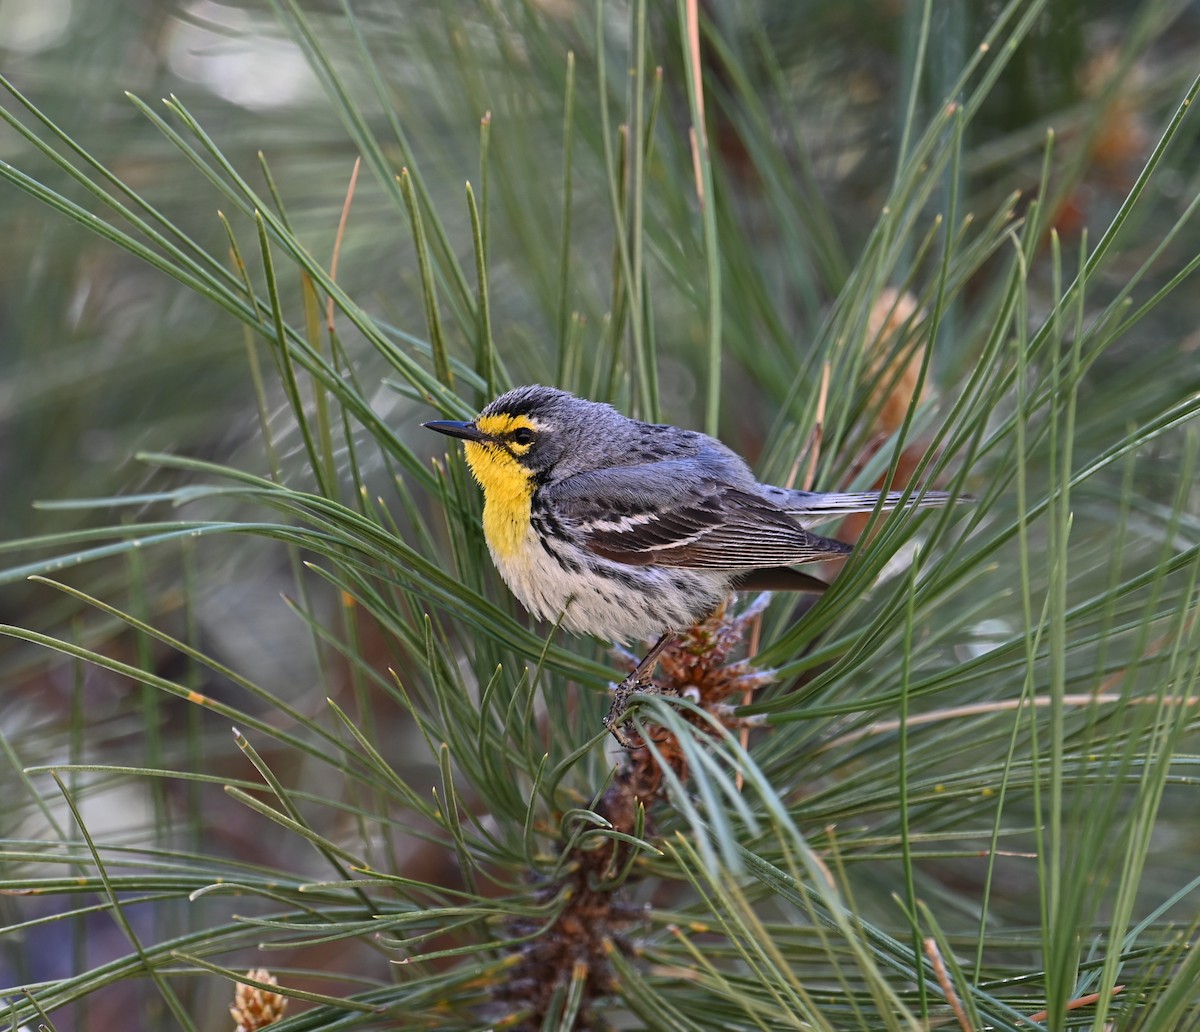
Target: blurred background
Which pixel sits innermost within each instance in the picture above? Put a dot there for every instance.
(102, 356)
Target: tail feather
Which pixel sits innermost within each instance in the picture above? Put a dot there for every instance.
(819, 505)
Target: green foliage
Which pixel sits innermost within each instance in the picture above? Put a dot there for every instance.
(959, 799)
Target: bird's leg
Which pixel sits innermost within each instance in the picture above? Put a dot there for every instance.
(639, 680)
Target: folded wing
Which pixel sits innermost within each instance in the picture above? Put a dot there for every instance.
(660, 515)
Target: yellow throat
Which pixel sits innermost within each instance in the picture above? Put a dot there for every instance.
(507, 485)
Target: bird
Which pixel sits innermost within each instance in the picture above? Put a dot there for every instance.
(627, 530)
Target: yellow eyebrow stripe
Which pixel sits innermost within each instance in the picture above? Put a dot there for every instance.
(502, 423)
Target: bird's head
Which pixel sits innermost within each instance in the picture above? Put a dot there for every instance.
(521, 437)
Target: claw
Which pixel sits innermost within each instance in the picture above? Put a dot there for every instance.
(638, 682)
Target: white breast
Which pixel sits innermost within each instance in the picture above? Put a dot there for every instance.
(609, 600)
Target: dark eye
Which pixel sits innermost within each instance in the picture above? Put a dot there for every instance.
(523, 435)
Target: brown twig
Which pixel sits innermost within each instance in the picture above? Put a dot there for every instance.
(943, 977)
(817, 439)
(1075, 1004)
(983, 708)
(748, 695)
(341, 233)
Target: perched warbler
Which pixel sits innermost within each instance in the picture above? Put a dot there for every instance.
(625, 530)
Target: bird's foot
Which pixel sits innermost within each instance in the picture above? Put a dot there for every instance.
(634, 684)
(641, 680)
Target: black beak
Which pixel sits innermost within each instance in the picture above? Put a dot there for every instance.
(453, 428)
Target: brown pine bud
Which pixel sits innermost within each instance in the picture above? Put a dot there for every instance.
(254, 1008)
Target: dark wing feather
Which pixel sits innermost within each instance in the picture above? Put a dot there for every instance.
(778, 578)
(642, 516)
